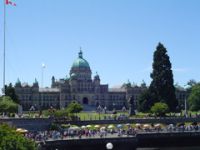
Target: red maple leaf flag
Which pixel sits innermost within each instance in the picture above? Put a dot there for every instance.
(9, 2)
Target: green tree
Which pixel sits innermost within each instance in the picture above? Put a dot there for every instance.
(162, 86)
(10, 91)
(194, 98)
(10, 140)
(74, 107)
(190, 84)
(159, 109)
(143, 84)
(62, 113)
(7, 105)
(127, 85)
(144, 101)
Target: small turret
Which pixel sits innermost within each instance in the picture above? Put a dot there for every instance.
(53, 81)
(35, 87)
(96, 77)
(18, 83)
(96, 82)
(35, 84)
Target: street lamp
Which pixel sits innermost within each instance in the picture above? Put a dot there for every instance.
(113, 106)
(43, 67)
(42, 78)
(99, 110)
(185, 102)
(185, 111)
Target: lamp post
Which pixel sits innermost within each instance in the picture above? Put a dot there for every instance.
(113, 106)
(99, 110)
(99, 115)
(43, 67)
(42, 76)
(185, 100)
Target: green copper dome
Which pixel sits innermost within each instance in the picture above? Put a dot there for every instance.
(80, 62)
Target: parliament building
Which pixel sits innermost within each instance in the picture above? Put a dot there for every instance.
(80, 87)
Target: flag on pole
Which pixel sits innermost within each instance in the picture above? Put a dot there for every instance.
(9, 2)
(43, 65)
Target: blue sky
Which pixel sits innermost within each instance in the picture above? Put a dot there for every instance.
(118, 38)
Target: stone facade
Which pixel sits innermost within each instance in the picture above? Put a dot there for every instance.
(80, 86)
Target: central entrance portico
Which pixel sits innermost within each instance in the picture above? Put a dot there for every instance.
(85, 100)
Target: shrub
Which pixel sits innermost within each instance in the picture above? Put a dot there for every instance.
(159, 109)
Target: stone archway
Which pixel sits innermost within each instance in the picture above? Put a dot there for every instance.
(85, 100)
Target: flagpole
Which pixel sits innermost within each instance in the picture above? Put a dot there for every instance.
(4, 49)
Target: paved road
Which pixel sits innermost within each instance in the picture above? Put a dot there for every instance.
(115, 135)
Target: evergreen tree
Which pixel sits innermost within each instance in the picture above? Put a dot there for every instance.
(144, 101)
(10, 91)
(162, 86)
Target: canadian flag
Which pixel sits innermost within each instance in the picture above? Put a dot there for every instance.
(9, 2)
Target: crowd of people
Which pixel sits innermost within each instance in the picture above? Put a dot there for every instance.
(75, 132)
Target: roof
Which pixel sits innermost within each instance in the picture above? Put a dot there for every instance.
(117, 90)
(25, 84)
(80, 62)
(49, 90)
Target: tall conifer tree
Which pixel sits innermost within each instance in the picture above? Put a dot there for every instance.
(162, 86)
(10, 91)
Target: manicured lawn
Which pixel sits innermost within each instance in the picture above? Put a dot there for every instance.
(91, 116)
(97, 116)
(83, 115)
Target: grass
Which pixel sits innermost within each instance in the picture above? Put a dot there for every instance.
(83, 115)
(96, 116)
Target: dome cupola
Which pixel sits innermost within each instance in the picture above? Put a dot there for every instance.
(80, 69)
(80, 62)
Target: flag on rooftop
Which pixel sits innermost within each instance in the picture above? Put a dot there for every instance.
(9, 2)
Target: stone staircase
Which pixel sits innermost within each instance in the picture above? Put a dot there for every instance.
(88, 107)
